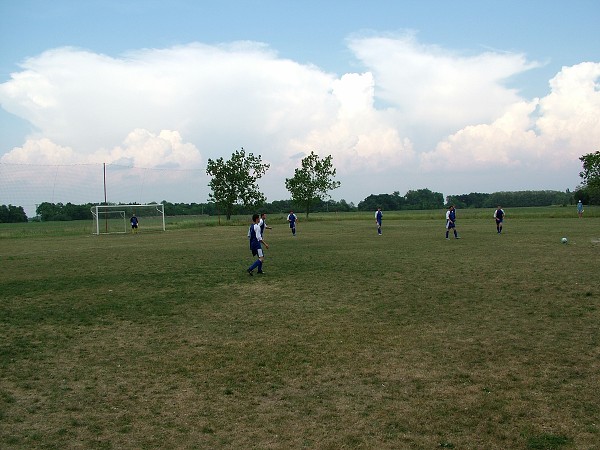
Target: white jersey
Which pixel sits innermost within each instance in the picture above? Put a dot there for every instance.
(256, 228)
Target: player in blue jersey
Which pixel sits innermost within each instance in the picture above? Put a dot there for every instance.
(292, 219)
(134, 224)
(451, 221)
(378, 217)
(263, 224)
(580, 209)
(256, 240)
(499, 216)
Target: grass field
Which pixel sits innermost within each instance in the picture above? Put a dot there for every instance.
(350, 340)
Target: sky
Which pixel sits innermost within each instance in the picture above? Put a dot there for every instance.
(456, 97)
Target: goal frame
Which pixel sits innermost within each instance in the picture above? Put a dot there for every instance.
(97, 209)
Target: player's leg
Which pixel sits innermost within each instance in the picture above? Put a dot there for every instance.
(255, 264)
(261, 258)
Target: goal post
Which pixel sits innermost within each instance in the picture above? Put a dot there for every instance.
(110, 219)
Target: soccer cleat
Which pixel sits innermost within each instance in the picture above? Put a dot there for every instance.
(249, 272)
(261, 273)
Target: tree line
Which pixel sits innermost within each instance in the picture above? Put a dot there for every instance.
(235, 191)
(419, 199)
(511, 199)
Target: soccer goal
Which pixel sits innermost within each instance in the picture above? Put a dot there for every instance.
(110, 219)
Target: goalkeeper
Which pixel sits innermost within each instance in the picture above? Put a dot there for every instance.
(134, 224)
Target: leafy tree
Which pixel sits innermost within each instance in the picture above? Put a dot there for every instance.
(312, 181)
(387, 202)
(423, 199)
(57, 211)
(234, 181)
(12, 214)
(591, 175)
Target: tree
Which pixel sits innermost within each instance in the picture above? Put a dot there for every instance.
(387, 202)
(591, 175)
(423, 199)
(234, 181)
(313, 181)
(12, 214)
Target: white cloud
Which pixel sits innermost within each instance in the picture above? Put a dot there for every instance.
(140, 148)
(437, 88)
(552, 137)
(414, 111)
(503, 143)
(570, 114)
(40, 151)
(361, 137)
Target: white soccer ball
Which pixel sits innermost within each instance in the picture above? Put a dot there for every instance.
(564, 240)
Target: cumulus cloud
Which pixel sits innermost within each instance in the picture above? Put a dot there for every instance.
(570, 114)
(544, 133)
(439, 88)
(410, 112)
(140, 148)
(361, 137)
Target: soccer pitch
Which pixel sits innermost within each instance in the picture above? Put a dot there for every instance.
(350, 340)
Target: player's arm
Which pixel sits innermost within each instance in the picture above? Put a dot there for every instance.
(259, 236)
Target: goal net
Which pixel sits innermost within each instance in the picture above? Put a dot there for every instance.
(110, 219)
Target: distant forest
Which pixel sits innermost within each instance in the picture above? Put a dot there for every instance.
(412, 200)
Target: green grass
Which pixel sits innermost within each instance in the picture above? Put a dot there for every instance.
(350, 340)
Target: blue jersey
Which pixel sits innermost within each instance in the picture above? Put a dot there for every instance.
(255, 236)
(262, 225)
(378, 217)
(292, 219)
(452, 215)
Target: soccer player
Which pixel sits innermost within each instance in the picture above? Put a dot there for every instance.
(292, 219)
(451, 221)
(378, 217)
(263, 224)
(134, 223)
(499, 216)
(256, 240)
(580, 209)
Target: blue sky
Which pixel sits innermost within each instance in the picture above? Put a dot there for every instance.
(401, 93)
